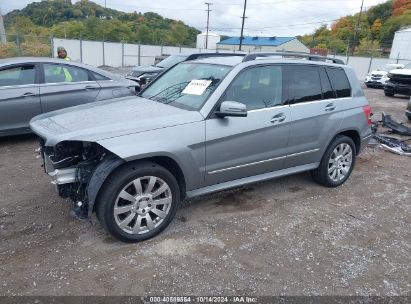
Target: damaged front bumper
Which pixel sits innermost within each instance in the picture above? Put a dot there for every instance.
(63, 176)
(78, 171)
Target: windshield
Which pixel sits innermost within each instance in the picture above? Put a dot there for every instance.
(407, 66)
(187, 85)
(171, 60)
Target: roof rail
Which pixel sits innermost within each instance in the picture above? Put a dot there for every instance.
(254, 56)
(206, 55)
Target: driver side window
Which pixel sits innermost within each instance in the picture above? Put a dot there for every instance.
(258, 87)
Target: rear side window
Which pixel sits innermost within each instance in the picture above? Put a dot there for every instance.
(340, 82)
(326, 85)
(303, 83)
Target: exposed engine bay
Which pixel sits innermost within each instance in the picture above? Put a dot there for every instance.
(71, 165)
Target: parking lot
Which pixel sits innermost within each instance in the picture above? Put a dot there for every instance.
(287, 236)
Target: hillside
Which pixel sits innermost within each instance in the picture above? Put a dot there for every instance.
(89, 20)
(375, 33)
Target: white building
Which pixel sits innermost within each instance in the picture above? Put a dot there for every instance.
(213, 39)
(401, 46)
(263, 44)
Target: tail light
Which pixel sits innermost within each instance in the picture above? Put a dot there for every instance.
(367, 112)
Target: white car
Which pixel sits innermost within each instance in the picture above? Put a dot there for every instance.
(378, 78)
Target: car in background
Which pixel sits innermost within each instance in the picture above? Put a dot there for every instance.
(143, 75)
(378, 78)
(32, 86)
(408, 110)
(399, 82)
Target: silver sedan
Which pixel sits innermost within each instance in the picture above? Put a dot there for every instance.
(32, 86)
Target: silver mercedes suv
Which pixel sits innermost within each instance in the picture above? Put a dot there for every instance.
(203, 126)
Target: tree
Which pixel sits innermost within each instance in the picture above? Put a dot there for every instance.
(368, 48)
(399, 7)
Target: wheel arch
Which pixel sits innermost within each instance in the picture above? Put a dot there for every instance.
(113, 163)
(355, 136)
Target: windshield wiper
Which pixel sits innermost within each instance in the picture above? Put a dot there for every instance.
(169, 92)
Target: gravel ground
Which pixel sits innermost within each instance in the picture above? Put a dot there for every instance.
(288, 236)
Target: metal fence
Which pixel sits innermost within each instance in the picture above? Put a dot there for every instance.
(102, 53)
(25, 45)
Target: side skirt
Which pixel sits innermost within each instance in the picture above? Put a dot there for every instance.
(250, 180)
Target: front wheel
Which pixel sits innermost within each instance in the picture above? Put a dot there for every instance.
(138, 201)
(388, 94)
(337, 162)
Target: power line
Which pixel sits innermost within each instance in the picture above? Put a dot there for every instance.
(208, 20)
(3, 38)
(242, 25)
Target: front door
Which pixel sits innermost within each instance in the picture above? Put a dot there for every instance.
(19, 97)
(238, 147)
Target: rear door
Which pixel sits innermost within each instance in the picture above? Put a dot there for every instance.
(19, 97)
(65, 86)
(315, 113)
(238, 147)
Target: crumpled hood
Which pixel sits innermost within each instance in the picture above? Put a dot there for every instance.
(109, 118)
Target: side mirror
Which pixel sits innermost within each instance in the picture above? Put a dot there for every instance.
(232, 108)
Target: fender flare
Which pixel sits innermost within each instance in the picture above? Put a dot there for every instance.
(100, 174)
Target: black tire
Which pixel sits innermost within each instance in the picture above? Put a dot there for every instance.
(115, 183)
(388, 94)
(320, 175)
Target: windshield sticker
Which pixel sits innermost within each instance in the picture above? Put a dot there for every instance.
(196, 87)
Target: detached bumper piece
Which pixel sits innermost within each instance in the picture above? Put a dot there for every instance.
(396, 127)
(393, 145)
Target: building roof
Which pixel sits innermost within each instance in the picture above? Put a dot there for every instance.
(259, 41)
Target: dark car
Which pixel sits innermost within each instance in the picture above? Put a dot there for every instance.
(143, 75)
(399, 82)
(408, 110)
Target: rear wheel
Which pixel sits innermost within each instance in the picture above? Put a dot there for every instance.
(388, 94)
(337, 162)
(138, 201)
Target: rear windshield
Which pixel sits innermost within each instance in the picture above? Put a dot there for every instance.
(187, 85)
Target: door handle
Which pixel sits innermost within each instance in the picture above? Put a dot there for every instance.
(28, 94)
(91, 87)
(278, 118)
(330, 107)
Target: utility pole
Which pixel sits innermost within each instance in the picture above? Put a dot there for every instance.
(357, 27)
(242, 25)
(208, 20)
(3, 38)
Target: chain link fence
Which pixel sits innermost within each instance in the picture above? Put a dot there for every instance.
(14, 45)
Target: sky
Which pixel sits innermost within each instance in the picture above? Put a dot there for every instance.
(264, 17)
